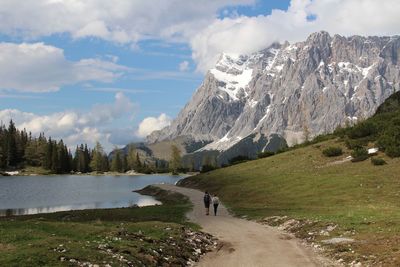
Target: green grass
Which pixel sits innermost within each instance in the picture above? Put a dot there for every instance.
(27, 170)
(304, 184)
(40, 240)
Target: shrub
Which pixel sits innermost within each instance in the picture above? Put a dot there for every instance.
(332, 151)
(378, 161)
(238, 159)
(355, 143)
(359, 154)
(362, 129)
(393, 151)
(340, 131)
(389, 141)
(265, 154)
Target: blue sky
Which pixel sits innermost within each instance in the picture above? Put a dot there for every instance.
(95, 70)
(153, 95)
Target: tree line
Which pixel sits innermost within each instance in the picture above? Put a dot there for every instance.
(19, 149)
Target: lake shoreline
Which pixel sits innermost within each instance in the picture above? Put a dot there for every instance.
(20, 195)
(149, 236)
(22, 173)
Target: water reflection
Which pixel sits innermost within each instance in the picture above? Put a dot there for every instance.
(146, 201)
(45, 194)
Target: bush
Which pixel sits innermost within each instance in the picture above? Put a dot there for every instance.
(355, 143)
(340, 131)
(362, 129)
(359, 154)
(389, 141)
(332, 151)
(378, 161)
(265, 154)
(238, 159)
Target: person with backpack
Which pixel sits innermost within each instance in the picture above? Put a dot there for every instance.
(215, 201)
(207, 202)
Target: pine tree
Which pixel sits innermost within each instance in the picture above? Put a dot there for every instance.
(55, 168)
(131, 160)
(97, 162)
(75, 161)
(116, 163)
(124, 166)
(86, 156)
(49, 155)
(11, 145)
(42, 149)
(81, 159)
(176, 161)
(105, 164)
(138, 163)
(32, 155)
(3, 146)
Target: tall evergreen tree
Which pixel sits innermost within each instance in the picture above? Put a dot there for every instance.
(131, 159)
(116, 163)
(12, 154)
(98, 162)
(138, 163)
(176, 160)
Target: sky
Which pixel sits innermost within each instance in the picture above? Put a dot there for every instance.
(114, 71)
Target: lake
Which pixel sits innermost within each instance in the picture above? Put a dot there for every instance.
(21, 195)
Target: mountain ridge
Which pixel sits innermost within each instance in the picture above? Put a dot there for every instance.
(287, 91)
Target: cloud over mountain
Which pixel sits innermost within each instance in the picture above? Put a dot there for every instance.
(208, 34)
(244, 35)
(151, 124)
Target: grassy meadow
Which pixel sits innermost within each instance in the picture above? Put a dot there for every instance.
(361, 198)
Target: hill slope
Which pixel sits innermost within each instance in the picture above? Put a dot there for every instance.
(361, 198)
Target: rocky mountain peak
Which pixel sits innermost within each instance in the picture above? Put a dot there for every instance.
(288, 91)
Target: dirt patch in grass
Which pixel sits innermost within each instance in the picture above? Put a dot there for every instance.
(6, 247)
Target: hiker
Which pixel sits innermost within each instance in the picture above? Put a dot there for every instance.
(215, 201)
(207, 201)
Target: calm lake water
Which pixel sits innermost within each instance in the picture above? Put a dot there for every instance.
(20, 195)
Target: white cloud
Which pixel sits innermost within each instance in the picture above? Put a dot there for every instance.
(196, 23)
(42, 68)
(184, 66)
(249, 34)
(151, 124)
(123, 21)
(75, 127)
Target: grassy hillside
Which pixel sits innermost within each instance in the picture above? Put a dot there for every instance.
(361, 198)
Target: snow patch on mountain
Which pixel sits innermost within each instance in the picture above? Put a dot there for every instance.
(318, 84)
(234, 74)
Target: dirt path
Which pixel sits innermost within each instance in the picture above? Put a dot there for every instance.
(247, 243)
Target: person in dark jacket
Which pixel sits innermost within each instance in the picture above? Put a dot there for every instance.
(207, 202)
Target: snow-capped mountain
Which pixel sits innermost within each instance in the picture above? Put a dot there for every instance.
(251, 103)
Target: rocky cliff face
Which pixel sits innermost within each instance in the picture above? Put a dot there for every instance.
(292, 91)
